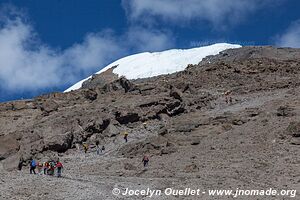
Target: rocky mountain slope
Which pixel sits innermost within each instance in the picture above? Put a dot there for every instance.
(182, 121)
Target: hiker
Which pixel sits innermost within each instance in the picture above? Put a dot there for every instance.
(40, 168)
(145, 160)
(32, 166)
(126, 136)
(145, 124)
(20, 164)
(102, 149)
(46, 167)
(85, 147)
(59, 167)
(228, 97)
(98, 148)
(51, 168)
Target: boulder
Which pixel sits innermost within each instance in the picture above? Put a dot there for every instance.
(191, 168)
(294, 129)
(226, 127)
(111, 131)
(189, 89)
(175, 93)
(120, 84)
(11, 163)
(195, 142)
(100, 80)
(295, 141)
(239, 121)
(150, 146)
(8, 146)
(168, 149)
(284, 111)
(163, 131)
(59, 143)
(47, 106)
(185, 128)
(126, 84)
(173, 108)
(163, 117)
(253, 112)
(90, 94)
(125, 118)
(96, 125)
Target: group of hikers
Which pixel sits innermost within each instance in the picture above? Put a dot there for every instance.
(86, 147)
(49, 167)
(44, 168)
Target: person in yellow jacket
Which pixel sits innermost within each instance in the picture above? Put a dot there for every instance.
(126, 136)
(85, 147)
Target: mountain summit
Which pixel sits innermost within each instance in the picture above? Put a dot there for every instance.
(144, 65)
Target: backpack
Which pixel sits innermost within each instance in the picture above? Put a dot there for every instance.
(33, 163)
(85, 146)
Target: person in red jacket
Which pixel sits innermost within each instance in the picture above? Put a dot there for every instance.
(145, 161)
(59, 167)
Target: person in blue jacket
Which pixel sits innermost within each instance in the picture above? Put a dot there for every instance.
(32, 166)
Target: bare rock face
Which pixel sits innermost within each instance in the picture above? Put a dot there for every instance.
(47, 106)
(111, 131)
(8, 146)
(122, 84)
(174, 108)
(100, 80)
(96, 125)
(126, 84)
(125, 118)
(59, 143)
(174, 92)
(150, 146)
(90, 94)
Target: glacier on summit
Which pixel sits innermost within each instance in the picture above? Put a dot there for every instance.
(144, 65)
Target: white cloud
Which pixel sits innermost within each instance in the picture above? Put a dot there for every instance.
(218, 12)
(28, 65)
(291, 37)
(142, 39)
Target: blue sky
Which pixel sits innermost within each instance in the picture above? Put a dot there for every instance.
(48, 45)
